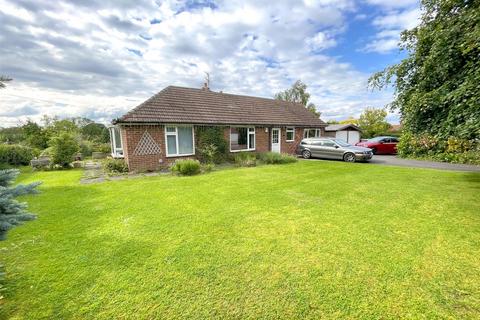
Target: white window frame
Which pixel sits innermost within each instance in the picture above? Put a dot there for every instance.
(318, 132)
(287, 130)
(176, 141)
(248, 138)
(117, 152)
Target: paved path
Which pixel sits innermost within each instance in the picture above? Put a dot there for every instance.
(395, 161)
(93, 172)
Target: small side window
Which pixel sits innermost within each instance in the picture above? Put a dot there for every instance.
(290, 134)
(328, 143)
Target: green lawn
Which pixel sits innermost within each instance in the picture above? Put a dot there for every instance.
(315, 239)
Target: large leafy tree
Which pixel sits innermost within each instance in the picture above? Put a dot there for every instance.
(350, 120)
(298, 93)
(95, 132)
(437, 87)
(373, 122)
(34, 135)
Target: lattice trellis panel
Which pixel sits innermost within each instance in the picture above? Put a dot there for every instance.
(147, 145)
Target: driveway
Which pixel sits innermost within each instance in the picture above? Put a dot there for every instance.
(392, 160)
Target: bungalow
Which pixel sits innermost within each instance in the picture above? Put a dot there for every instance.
(162, 129)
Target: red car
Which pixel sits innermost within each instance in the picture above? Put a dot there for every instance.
(380, 145)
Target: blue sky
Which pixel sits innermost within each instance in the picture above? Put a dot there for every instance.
(100, 59)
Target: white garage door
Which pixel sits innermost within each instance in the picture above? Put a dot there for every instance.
(351, 137)
(343, 135)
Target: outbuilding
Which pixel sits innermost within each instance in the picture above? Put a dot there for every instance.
(347, 132)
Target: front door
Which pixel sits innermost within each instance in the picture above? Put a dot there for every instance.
(276, 140)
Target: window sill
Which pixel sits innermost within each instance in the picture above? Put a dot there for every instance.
(242, 150)
(179, 155)
(289, 140)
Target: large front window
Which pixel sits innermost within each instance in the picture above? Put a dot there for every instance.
(179, 140)
(311, 133)
(242, 138)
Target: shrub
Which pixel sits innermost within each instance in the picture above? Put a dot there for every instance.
(208, 153)
(115, 166)
(276, 158)
(211, 136)
(208, 167)
(101, 147)
(64, 147)
(86, 148)
(426, 146)
(46, 152)
(245, 159)
(187, 167)
(15, 154)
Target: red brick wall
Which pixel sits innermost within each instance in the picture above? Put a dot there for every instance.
(290, 146)
(262, 139)
(131, 136)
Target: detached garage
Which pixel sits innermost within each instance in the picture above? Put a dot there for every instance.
(347, 132)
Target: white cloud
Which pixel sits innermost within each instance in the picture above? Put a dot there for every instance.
(406, 19)
(393, 3)
(390, 25)
(320, 42)
(101, 59)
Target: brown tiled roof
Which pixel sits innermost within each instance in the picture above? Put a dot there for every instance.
(199, 106)
(339, 127)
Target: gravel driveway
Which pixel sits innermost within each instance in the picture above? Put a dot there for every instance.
(392, 160)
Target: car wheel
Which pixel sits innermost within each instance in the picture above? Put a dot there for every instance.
(349, 157)
(374, 151)
(306, 154)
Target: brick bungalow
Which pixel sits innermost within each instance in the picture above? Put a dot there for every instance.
(162, 129)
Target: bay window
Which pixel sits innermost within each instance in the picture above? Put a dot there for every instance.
(179, 141)
(242, 138)
(290, 133)
(311, 133)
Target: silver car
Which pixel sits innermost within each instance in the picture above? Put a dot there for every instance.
(329, 148)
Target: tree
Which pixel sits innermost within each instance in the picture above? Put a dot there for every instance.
(436, 86)
(4, 79)
(12, 212)
(64, 147)
(350, 120)
(35, 135)
(298, 93)
(58, 126)
(11, 135)
(372, 122)
(95, 132)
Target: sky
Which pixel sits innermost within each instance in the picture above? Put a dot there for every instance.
(99, 59)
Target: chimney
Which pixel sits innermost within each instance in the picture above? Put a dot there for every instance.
(205, 86)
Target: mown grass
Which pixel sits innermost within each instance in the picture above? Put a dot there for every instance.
(313, 239)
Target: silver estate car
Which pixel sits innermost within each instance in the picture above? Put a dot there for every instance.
(330, 148)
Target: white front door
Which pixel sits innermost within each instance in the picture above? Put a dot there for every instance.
(276, 140)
